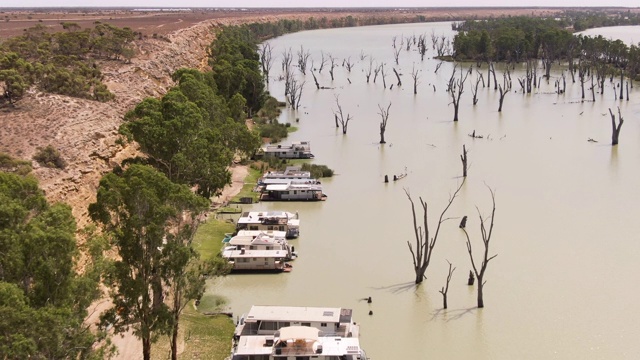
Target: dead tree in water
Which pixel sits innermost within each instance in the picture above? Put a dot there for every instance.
(266, 59)
(480, 269)
(504, 90)
(424, 242)
(422, 46)
(474, 89)
(367, 71)
(315, 80)
(348, 64)
(445, 288)
(295, 92)
(287, 58)
(332, 62)
(456, 88)
(397, 77)
(463, 158)
(339, 116)
(383, 124)
(415, 76)
(303, 58)
(615, 129)
(376, 71)
(323, 62)
(396, 54)
(384, 76)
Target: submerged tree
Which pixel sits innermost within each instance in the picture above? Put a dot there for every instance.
(615, 128)
(445, 289)
(422, 249)
(480, 269)
(340, 118)
(456, 88)
(384, 114)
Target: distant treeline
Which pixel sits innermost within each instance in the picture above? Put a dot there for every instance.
(519, 39)
(268, 30)
(63, 62)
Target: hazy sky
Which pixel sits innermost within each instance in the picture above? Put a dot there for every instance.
(311, 3)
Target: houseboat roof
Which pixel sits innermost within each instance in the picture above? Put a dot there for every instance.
(260, 239)
(280, 217)
(236, 254)
(289, 171)
(296, 313)
(272, 233)
(289, 185)
(331, 346)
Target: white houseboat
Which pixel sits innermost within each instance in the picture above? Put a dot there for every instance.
(261, 240)
(307, 191)
(291, 173)
(257, 260)
(292, 333)
(270, 221)
(297, 150)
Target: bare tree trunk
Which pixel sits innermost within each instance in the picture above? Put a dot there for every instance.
(463, 157)
(445, 288)
(424, 243)
(397, 77)
(146, 348)
(481, 268)
(615, 129)
(383, 123)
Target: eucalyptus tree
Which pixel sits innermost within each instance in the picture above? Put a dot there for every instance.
(147, 219)
(43, 300)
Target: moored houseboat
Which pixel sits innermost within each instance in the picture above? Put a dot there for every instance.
(297, 150)
(261, 240)
(257, 260)
(291, 191)
(270, 221)
(292, 333)
(291, 173)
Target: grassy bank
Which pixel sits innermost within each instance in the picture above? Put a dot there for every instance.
(249, 183)
(202, 336)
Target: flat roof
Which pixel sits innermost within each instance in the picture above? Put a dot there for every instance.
(331, 346)
(254, 254)
(293, 313)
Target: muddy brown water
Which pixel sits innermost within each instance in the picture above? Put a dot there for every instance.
(565, 282)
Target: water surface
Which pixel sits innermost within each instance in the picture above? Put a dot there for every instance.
(564, 283)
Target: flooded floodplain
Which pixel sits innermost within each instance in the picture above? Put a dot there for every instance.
(565, 282)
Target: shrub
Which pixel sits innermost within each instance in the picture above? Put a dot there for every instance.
(49, 157)
(317, 171)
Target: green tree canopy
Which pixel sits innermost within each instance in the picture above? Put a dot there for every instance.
(145, 215)
(43, 301)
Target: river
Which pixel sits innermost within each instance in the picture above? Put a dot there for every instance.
(565, 282)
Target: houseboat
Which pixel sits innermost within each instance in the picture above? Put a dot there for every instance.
(291, 173)
(270, 221)
(297, 150)
(261, 240)
(257, 260)
(292, 333)
(307, 191)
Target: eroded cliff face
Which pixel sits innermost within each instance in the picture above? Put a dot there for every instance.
(86, 132)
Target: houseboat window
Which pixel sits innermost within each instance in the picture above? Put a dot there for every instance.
(323, 324)
(268, 247)
(302, 358)
(281, 228)
(268, 325)
(254, 259)
(295, 192)
(305, 324)
(269, 227)
(285, 324)
(252, 247)
(253, 228)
